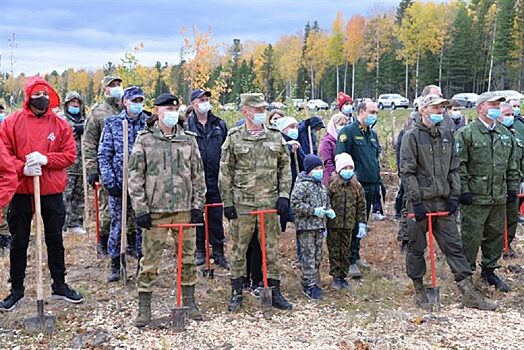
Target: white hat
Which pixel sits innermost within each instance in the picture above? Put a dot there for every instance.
(284, 122)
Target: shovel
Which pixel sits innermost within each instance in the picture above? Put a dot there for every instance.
(506, 239)
(41, 323)
(123, 227)
(266, 300)
(208, 271)
(97, 217)
(179, 313)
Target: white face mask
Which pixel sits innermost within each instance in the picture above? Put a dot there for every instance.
(170, 119)
(204, 107)
(259, 118)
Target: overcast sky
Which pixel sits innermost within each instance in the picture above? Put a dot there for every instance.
(56, 34)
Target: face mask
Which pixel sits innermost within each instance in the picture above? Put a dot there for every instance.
(204, 107)
(73, 110)
(346, 109)
(436, 118)
(317, 174)
(2, 117)
(259, 118)
(371, 119)
(293, 133)
(339, 127)
(346, 174)
(516, 111)
(456, 115)
(493, 113)
(116, 92)
(170, 119)
(40, 103)
(508, 121)
(136, 107)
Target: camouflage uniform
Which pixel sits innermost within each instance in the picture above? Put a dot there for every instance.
(512, 208)
(348, 200)
(110, 158)
(307, 195)
(74, 192)
(166, 180)
(488, 170)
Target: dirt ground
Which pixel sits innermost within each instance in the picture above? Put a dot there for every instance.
(377, 314)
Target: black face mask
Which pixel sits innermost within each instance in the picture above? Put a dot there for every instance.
(41, 103)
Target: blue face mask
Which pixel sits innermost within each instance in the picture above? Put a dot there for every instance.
(508, 121)
(2, 117)
(436, 118)
(136, 108)
(293, 133)
(371, 119)
(116, 92)
(73, 110)
(317, 174)
(346, 174)
(346, 109)
(516, 111)
(494, 113)
(339, 127)
(259, 118)
(170, 119)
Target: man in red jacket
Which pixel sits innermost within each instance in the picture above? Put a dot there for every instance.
(41, 144)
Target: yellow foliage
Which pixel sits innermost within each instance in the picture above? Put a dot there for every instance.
(288, 51)
(316, 56)
(355, 32)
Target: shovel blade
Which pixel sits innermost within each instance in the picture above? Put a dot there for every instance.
(40, 324)
(434, 296)
(266, 301)
(208, 273)
(178, 318)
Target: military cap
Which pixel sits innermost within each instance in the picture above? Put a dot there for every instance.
(433, 100)
(167, 99)
(108, 79)
(490, 97)
(252, 100)
(199, 93)
(133, 92)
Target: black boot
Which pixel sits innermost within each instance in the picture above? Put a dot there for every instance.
(236, 294)
(101, 248)
(278, 299)
(220, 258)
(114, 270)
(131, 245)
(200, 258)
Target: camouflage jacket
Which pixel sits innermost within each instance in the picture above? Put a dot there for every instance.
(93, 132)
(254, 170)
(488, 167)
(307, 195)
(73, 120)
(166, 174)
(428, 164)
(519, 151)
(111, 150)
(348, 200)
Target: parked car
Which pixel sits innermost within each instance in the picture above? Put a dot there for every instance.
(392, 101)
(229, 107)
(510, 94)
(467, 99)
(317, 105)
(298, 103)
(276, 105)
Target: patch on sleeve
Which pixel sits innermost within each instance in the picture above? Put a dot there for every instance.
(343, 138)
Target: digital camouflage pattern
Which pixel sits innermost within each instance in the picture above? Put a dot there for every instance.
(74, 201)
(311, 257)
(75, 120)
(348, 200)
(307, 195)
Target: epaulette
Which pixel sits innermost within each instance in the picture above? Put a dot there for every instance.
(192, 133)
(234, 130)
(144, 131)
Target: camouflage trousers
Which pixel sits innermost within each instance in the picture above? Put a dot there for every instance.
(242, 230)
(338, 243)
(512, 212)
(311, 246)
(115, 209)
(74, 200)
(4, 228)
(153, 247)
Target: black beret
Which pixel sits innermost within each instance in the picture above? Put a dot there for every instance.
(167, 99)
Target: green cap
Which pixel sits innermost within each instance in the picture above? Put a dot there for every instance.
(252, 100)
(490, 97)
(432, 100)
(108, 79)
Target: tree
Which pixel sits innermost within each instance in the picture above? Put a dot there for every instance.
(336, 46)
(288, 51)
(401, 10)
(354, 46)
(316, 58)
(504, 45)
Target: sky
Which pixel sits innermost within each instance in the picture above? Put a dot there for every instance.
(58, 34)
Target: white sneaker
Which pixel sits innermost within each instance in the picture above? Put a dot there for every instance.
(77, 230)
(378, 217)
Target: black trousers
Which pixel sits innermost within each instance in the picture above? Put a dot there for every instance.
(254, 261)
(19, 217)
(216, 229)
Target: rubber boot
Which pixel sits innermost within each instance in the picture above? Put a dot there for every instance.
(114, 270)
(188, 299)
(220, 258)
(101, 248)
(144, 309)
(131, 245)
(278, 299)
(421, 298)
(472, 298)
(236, 294)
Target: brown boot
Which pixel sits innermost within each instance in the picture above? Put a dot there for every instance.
(421, 298)
(188, 299)
(472, 298)
(144, 309)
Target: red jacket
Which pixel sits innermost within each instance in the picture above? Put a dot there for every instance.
(24, 133)
(8, 177)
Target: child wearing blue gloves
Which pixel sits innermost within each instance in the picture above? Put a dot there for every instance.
(310, 202)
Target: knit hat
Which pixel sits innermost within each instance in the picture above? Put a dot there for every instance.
(311, 162)
(342, 98)
(342, 160)
(284, 122)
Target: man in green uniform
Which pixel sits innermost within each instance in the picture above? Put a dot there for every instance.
(254, 175)
(166, 186)
(489, 179)
(429, 172)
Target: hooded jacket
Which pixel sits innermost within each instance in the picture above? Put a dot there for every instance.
(348, 201)
(303, 134)
(307, 195)
(328, 147)
(8, 177)
(23, 133)
(74, 120)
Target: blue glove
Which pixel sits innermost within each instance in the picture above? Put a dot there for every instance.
(324, 233)
(362, 232)
(319, 212)
(330, 213)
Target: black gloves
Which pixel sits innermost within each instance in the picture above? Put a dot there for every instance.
(197, 217)
(466, 198)
(91, 179)
(420, 211)
(114, 191)
(512, 195)
(282, 206)
(230, 213)
(144, 221)
(78, 129)
(453, 204)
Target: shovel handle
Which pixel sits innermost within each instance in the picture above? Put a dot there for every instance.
(432, 253)
(431, 214)
(97, 212)
(506, 239)
(38, 218)
(263, 246)
(178, 225)
(179, 266)
(206, 230)
(257, 212)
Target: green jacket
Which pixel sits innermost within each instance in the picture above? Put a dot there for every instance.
(166, 175)
(429, 167)
(363, 146)
(488, 167)
(348, 200)
(519, 151)
(254, 170)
